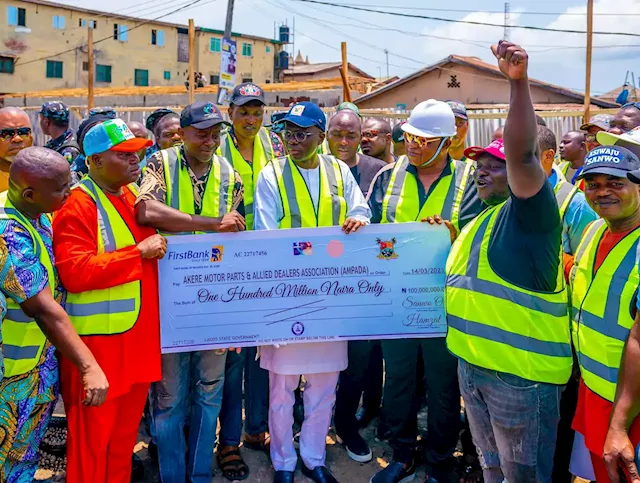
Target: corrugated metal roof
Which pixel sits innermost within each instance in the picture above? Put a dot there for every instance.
(478, 64)
(306, 69)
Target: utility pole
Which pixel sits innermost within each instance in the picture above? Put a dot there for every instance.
(507, 20)
(222, 92)
(344, 72)
(229, 21)
(91, 69)
(192, 61)
(587, 88)
(386, 52)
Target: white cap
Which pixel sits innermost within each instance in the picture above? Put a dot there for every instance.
(609, 139)
(431, 119)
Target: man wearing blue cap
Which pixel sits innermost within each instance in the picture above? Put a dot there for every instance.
(604, 284)
(54, 122)
(303, 190)
(187, 189)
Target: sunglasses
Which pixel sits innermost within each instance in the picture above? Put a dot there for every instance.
(299, 136)
(8, 134)
(372, 134)
(590, 137)
(419, 140)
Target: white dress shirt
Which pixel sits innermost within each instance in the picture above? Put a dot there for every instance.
(312, 358)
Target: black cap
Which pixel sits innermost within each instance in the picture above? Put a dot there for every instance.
(201, 115)
(397, 134)
(611, 160)
(155, 116)
(246, 92)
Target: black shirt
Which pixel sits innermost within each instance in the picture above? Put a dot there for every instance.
(526, 239)
(366, 170)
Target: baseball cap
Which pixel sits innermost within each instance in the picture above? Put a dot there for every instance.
(397, 134)
(350, 106)
(612, 160)
(306, 114)
(112, 135)
(599, 120)
(609, 139)
(201, 115)
(246, 92)
(431, 119)
(155, 116)
(459, 109)
(105, 111)
(55, 110)
(495, 149)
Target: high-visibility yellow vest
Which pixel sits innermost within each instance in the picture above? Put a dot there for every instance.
(497, 325)
(563, 167)
(297, 205)
(113, 310)
(565, 192)
(262, 154)
(401, 202)
(218, 195)
(23, 340)
(601, 306)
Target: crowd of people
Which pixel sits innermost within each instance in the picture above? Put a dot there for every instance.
(538, 376)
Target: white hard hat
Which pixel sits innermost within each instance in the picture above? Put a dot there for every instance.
(431, 119)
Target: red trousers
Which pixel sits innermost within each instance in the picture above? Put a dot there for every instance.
(100, 440)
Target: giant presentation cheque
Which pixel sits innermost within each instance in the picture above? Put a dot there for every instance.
(303, 285)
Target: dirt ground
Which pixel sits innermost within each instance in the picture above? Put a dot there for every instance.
(343, 468)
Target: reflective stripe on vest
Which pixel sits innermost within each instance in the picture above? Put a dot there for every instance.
(565, 192)
(401, 203)
(497, 325)
(602, 304)
(563, 167)
(113, 310)
(262, 154)
(297, 205)
(218, 195)
(23, 340)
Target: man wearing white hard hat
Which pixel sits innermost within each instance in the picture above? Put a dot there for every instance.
(423, 183)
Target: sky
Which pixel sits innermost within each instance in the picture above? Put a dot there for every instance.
(413, 43)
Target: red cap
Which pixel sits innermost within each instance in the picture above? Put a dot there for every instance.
(495, 149)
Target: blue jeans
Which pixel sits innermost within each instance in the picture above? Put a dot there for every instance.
(190, 393)
(256, 397)
(514, 423)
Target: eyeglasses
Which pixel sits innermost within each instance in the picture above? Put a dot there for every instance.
(590, 137)
(299, 136)
(8, 134)
(419, 140)
(372, 134)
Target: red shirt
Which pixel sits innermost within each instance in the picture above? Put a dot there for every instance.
(134, 356)
(593, 411)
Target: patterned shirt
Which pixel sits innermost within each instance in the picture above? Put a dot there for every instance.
(154, 185)
(66, 145)
(22, 275)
